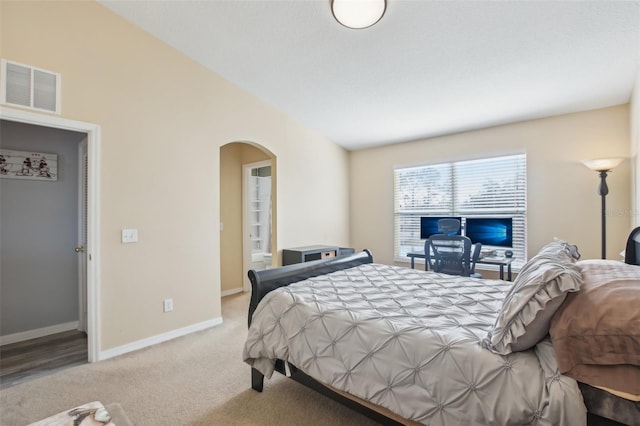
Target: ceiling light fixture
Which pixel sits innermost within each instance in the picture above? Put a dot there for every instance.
(358, 14)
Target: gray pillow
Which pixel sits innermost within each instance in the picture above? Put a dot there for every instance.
(536, 294)
(562, 249)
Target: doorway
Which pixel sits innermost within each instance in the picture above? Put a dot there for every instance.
(90, 250)
(235, 158)
(257, 218)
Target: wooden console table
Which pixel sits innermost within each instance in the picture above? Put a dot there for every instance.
(308, 253)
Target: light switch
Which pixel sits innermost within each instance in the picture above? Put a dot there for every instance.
(129, 235)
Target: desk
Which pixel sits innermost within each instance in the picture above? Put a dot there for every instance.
(489, 260)
(308, 253)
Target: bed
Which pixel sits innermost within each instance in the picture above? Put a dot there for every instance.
(405, 346)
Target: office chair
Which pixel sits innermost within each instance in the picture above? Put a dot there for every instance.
(450, 254)
(449, 226)
(475, 255)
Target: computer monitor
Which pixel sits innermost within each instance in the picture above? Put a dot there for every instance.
(490, 231)
(429, 225)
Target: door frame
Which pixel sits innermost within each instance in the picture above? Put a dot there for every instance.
(93, 211)
(246, 246)
(83, 167)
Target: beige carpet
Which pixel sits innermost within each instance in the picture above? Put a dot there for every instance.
(198, 379)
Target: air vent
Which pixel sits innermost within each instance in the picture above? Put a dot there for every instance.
(30, 87)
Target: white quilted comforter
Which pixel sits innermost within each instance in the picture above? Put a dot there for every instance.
(409, 340)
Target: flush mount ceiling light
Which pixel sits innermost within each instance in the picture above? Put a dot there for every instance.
(358, 13)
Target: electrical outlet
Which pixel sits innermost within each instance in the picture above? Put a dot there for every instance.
(168, 305)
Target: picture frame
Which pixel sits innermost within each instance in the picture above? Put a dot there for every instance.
(28, 165)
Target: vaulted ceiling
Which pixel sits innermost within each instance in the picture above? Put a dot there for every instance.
(427, 68)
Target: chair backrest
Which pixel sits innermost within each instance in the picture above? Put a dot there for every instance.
(449, 254)
(449, 226)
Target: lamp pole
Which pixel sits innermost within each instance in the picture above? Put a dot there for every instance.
(603, 166)
(603, 190)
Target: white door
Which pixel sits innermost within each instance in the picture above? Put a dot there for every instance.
(83, 173)
(256, 218)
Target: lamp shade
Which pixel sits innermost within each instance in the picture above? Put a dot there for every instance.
(603, 164)
(358, 13)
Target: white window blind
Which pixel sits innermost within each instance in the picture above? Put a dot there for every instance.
(488, 187)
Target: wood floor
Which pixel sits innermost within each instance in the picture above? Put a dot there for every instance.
(23, 361)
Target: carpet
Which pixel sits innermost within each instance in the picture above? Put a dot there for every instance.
(283, 402)
(198, 379)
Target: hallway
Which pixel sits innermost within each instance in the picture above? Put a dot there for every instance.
(23, 361)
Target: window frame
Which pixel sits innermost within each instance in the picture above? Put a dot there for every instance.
(406, 215)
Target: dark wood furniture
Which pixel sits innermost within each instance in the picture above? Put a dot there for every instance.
(294, 255)
(262, 282)
(602, 407)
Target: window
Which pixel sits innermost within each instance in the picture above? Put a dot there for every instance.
(488, 187)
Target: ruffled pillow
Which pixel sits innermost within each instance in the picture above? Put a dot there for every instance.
(536, 294)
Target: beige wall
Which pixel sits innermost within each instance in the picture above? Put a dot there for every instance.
(231, 216)
(635, 148)
(163, 119)
(562, 192)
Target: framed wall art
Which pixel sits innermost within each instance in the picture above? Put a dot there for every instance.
(28, 165)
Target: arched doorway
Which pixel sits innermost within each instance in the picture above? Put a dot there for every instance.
(234, 213)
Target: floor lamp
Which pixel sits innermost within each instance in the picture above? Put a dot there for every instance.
(603, 166)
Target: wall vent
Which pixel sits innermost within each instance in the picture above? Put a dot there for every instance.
(30, 87)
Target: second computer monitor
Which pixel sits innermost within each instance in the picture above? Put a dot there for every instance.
(490, 231)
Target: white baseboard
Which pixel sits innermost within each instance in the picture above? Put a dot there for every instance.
(38, 332)
(232, 291)
(153, 340)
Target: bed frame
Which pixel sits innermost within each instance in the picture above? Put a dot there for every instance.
(262, 282)
(603, 408)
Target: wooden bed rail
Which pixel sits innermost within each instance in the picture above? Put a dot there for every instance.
(262, 282)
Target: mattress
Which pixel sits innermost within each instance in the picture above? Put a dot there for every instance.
(410, 341)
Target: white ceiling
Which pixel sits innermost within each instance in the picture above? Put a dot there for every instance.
(427, 68)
